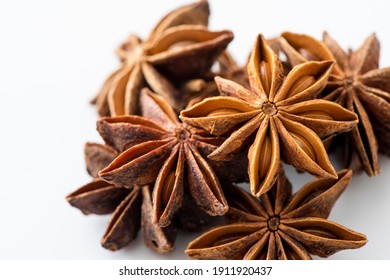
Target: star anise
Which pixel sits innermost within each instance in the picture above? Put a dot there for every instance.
(275, 108)
(280, 225)
(179, 49)
(158, 148)
(229, 69)
(357, 84)
(225, 67)
(131, 208)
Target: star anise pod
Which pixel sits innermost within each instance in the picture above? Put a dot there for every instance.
(178, 50)
(225, 67)
(276, 116)
(357, 84)
(130, 208)
(229, 69)
(157, 148)
(301, 48)
(280, 225)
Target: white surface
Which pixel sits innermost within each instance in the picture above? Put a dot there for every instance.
(55, 55)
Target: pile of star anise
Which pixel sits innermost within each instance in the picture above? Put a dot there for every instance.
(182, 122)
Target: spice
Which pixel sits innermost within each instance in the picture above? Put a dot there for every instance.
(179, 49)
(280, 225)
(157, 173)
(131, 208)
(100, 197)
(274, 108)
(229, 69)
(157, 148)
(357, 84)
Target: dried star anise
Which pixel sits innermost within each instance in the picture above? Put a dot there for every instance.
(280, 225)
(157, 148)
(275, 108)
(130, 208)
(179, 50)
(229, 69)
(357, 84)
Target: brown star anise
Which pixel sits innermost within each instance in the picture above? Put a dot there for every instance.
(357, 84)
(280, 225)
(131, 208)
(179, 49)
(229, 69)
(275, 108)
(158, 148)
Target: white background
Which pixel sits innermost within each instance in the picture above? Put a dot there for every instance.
(55, 55)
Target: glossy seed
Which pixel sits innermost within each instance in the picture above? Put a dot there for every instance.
(265, 158)
(222, 112)
(265, 75)
(318, 115)
(305, 145)
(179, 45)
(308, 55)
(300, 85)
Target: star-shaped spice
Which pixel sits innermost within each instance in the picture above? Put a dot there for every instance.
(179, 50)
(357, 84)
(229, 69)
(280, 225)
(158, 149)
(276, 117)
(130, 208)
